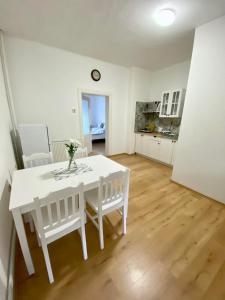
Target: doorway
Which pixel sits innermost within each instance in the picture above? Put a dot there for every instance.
(95, 122)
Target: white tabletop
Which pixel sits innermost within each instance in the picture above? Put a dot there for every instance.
(39, 181)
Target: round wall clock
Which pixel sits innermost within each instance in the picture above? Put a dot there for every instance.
(95, 75)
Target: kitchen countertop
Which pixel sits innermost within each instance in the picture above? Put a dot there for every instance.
(160, 135)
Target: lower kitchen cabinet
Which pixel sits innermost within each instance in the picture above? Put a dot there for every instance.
(139, 143)
(162, 149)
(166, 151)
(174, 151)
(151, 147)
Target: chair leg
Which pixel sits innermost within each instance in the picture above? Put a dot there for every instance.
(47, 262)
(101, 234)
(124, 220)
(38, 239)
(83, 240)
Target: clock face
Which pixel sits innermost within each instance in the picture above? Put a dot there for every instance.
(96, 75)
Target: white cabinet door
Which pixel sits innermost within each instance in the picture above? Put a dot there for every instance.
(145, 150)
(172, 103)
(166, 151)
(174, 152)
(176, 103)
(152, 147)
(165, 104)
(139, 141)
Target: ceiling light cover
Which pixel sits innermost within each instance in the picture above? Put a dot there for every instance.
(165, 17)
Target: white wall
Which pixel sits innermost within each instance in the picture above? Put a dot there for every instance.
(200, 157)
(172, 77)
(45, 83)
(7, 164)
(97, 109)
(139, 90)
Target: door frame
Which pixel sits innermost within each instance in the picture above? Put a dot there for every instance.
(108, 105)
(88, 100)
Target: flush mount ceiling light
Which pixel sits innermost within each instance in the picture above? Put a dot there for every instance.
(165, 17)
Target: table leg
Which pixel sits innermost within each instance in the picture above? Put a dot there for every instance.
(127, 193)
(23, 240)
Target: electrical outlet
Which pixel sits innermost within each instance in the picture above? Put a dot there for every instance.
(73, 110)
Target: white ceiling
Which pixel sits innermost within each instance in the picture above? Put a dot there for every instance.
(119, 31)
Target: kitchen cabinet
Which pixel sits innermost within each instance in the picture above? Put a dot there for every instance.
(161, 149)
(147, 145)
(172, 103)
(164, 108)
(152, 147)
(174, 152)
(166, 151)
(139, 143)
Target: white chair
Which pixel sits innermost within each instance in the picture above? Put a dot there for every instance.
(56, 215)
(34, 160)
(37, 159)
(58, 149)
(112, 194)
(81, 152)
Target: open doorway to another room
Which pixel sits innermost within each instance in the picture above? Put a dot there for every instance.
(95, 120)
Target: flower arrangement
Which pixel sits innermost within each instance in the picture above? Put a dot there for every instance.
(71, 150)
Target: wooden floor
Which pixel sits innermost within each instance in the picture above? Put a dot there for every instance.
(98, 148)
(174, 248)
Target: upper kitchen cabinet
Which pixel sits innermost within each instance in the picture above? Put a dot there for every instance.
(164, 104)
(172, 103)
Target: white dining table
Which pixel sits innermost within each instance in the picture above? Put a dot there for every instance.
(40, 181)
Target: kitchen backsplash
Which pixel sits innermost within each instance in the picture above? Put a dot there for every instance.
(142, 120)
